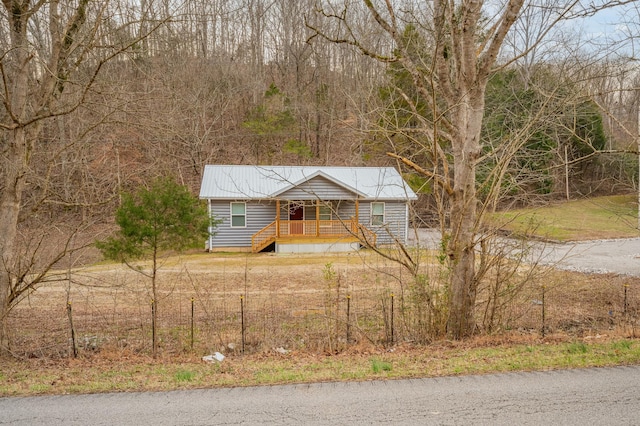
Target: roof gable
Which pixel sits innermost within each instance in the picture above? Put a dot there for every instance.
(318, 174)
(319, 187)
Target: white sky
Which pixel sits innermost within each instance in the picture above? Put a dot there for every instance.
(615, 26)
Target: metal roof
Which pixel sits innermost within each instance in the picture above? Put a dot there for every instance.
(227, 182)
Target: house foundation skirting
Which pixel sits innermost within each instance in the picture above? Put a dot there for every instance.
(316, 247)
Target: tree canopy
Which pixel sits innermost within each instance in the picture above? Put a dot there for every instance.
(165, 216)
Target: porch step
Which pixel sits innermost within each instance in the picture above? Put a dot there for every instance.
(266, 243)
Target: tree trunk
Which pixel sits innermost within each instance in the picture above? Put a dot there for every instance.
(14, 163)
(154, 304)
(14, 166)
(461, 250)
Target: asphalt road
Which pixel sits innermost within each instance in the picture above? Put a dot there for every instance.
(602, 396)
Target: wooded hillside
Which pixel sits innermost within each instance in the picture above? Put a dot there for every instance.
(244, 82)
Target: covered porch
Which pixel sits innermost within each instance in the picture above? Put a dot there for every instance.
(293, 226)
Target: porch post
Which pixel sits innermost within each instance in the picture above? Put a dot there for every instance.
(277, 218)
(210, 228)
(317, 218)
(355, 225)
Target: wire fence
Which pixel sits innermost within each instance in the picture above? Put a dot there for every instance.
(326, 321)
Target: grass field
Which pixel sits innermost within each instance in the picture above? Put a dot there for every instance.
(614, 216)
(303, 318)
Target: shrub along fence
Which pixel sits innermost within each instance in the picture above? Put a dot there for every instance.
(326, 321)
(240, 323)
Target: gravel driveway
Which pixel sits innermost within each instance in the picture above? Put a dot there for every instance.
(602, 256)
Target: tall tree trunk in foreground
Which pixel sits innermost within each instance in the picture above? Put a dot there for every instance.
(18, 134)
(449, 55)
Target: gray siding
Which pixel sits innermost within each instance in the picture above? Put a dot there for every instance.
(347, 210)
(318, 188)
(395, 221)
(259, 215)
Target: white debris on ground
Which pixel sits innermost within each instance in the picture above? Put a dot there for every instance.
(216, 357)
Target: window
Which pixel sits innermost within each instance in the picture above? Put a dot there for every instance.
(238, 215)
(325, 212)
(377, 213)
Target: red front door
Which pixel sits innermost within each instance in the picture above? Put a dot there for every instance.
(296, 218)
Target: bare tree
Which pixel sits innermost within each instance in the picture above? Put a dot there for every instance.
(451, 79)
(49, 62)
(449, 49)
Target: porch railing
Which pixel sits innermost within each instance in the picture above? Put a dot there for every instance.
(261, 239)
(315, 228)
(311, 229)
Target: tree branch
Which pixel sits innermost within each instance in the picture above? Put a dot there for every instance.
(439, 180)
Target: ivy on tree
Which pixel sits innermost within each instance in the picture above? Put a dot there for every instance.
(163, 218)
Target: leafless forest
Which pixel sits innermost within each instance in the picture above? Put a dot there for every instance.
(244, 82)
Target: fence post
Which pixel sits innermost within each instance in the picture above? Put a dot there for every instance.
(392, 337)
(153, 328)
(348, 318)
(242, 320)
(192, 320)
(543, 311)
(626, 287)
(73, 331)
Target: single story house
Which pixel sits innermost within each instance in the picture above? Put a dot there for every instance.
(305, 209)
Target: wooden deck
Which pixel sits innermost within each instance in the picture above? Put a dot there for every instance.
(319, 231)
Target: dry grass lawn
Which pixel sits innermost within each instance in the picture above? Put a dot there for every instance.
(305, 317)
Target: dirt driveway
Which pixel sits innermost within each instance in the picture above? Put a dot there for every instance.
(620, 256)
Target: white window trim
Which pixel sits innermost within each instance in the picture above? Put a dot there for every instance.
(231, 215)
(383, 213)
